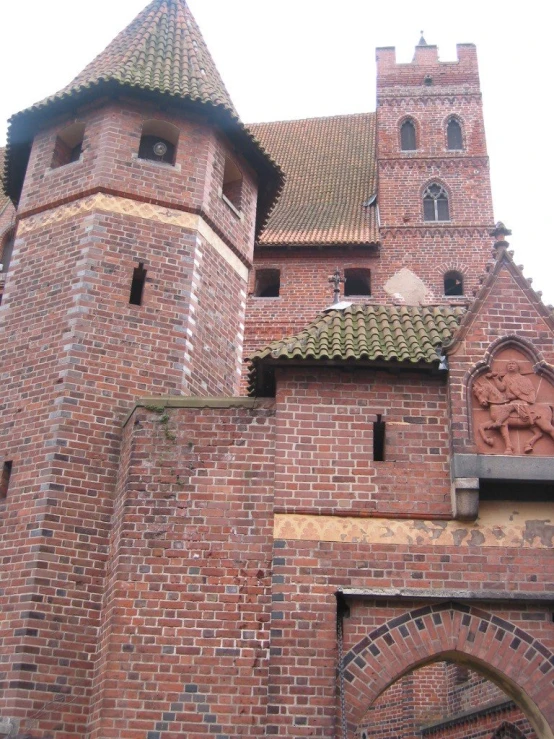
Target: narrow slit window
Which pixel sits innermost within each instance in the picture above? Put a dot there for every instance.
(5, 481)
(6, 255)
(357, 282)
(137, 285)
(268, 283)
(379, 439)
(232, 184)
(408, 136)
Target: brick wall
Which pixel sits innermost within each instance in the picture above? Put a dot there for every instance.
(75, 354)
(186, 635)
(428, 249)
(325, 443)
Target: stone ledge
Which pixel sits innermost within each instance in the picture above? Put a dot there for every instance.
(160, 404)
(503, 467)
(443, 594)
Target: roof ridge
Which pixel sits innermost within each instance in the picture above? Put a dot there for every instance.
(310, 119)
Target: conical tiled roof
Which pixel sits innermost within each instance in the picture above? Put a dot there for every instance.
(160, 54)
(366, 333)
(162, 50)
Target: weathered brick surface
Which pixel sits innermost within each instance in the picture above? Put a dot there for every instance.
(186, 635)
(74, 356)
(324, 454)
(141, 579)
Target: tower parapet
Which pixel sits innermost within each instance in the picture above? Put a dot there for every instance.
(435, 201)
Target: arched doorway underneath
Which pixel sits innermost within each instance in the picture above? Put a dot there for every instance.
(500, 650)
(445, 700)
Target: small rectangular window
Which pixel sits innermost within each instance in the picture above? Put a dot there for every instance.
(137, 285)
(379, 440)
(5, 481)
(357, 282)
(268, 283)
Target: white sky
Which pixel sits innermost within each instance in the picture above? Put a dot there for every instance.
(283, 59)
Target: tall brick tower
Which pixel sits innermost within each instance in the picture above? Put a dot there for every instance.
(434, 192)
(138, 190)
(399, 200)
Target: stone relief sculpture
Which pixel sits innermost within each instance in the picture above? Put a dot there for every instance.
(516, 404)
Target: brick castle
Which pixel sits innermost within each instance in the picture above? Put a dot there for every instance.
(277, 442)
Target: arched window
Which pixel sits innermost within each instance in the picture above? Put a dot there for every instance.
(69, 145)
(6, 252)
(408, 136)
(454, 135)
(435, 203)
(453, 283)
(158, 141)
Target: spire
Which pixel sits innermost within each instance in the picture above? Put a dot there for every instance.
(163, 51)
(421, 41)
(160, 54)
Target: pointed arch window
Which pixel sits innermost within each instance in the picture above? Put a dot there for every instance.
(408, 136)
(454, 137)
(6, 251)
(435, 203)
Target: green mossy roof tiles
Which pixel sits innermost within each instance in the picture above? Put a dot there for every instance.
(162, 50)
(330, 171)
(372, 333)
(161, 53)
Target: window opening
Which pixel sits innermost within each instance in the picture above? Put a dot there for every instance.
(232, 184)
(454, 135)
(69, 145)
(453, 283)
(7, 251)
(379, 439)
(435, 204)
(5, 480)
(137, 285)
(268, 283)
(158, 142)
(408, 136)
(357, 282)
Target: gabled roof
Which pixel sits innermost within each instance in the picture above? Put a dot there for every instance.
(161, 54)
(330, 171)
(502, 258)
(366, 333)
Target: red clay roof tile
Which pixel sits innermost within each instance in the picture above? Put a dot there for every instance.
(330, 172)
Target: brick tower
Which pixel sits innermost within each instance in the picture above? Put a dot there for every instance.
(434, 191)
(138, 189)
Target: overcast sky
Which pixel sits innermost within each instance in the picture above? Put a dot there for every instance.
(302, 58)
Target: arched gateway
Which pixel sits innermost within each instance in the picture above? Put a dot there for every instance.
(503, 652)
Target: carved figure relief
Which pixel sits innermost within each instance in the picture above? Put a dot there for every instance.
(513, 408)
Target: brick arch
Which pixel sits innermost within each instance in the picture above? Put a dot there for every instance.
(506, 730)
(504, 653)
